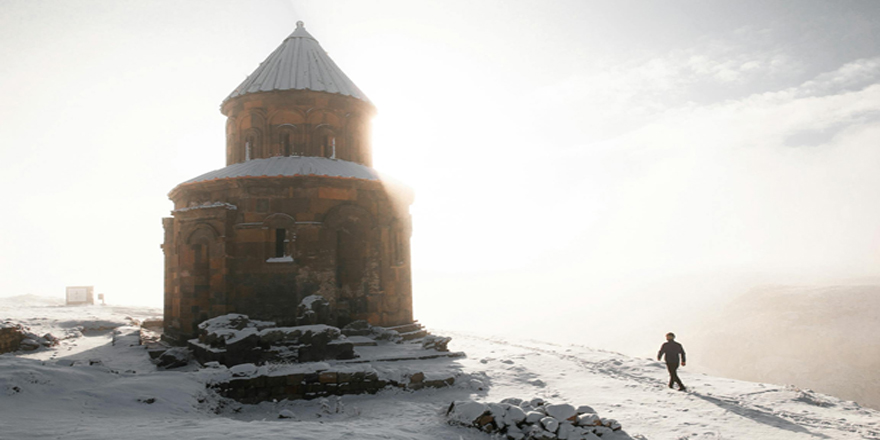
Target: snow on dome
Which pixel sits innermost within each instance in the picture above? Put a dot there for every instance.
(299, 64)
(291, 166)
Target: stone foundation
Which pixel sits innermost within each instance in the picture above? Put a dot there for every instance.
(321, 383)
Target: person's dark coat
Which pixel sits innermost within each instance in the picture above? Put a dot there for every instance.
(674, 353)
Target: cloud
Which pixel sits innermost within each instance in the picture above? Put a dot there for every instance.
(720, 185)
(851, 76)
(613, 98)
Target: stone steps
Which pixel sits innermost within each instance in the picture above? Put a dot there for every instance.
(361, 341)
(451, 355)
(409, 336)
(411, 331)
(407, 328)
(153, 342)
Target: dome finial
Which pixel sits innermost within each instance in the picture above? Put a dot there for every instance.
(300, 24)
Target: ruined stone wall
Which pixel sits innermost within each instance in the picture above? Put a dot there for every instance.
(10, 338)
(319, 384)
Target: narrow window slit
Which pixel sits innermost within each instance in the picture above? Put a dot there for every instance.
(280, 239)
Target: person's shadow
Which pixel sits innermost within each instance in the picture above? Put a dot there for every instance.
(757, 415)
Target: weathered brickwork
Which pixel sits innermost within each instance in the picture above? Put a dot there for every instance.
(218, 258)
(298, 123)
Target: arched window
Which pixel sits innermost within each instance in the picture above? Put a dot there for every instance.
(286, 147)
(287, 141)
(351, 261)
(398, 244)
(251, 140)
(249, 145)
(281, 236)
(196, 255)
(325, 143)
(280, 242)
(329, 144)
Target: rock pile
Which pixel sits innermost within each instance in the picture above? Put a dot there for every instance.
(536, 419)
(235, 339)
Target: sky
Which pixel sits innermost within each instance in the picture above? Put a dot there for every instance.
(572, 161)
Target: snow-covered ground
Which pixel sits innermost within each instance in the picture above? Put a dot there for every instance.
(101, 385)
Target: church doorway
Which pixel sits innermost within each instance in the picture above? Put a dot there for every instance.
(351, 264)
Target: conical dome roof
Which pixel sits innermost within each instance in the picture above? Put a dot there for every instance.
(298, 64)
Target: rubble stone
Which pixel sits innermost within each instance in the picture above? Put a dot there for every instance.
(517, 419)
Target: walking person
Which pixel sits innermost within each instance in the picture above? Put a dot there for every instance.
(674, 353)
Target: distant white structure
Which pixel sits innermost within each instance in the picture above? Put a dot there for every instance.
(80, 295)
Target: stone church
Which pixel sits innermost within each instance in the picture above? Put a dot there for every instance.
(298, 211)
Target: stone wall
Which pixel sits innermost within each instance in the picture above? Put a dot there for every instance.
(10, 338)
(311, 385)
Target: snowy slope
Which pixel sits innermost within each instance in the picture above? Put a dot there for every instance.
(102, 386)
(821, 337)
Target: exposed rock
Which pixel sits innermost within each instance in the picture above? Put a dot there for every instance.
(560, 412)
(602, 431)
(585, 409)
(29, 344)
(514, 415)
(566, 431)
(612, 424)
(174, 358)
(588, 420)
(466, 412)
(358, 328)
(514, 433)
(436, 342)
(513, 401)
(535, 432)
(383, 334)
(533, 417)
(550, 423)
(314, 309)
(235, 339)
(243, 370)
(225, 329)
(486, 423)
